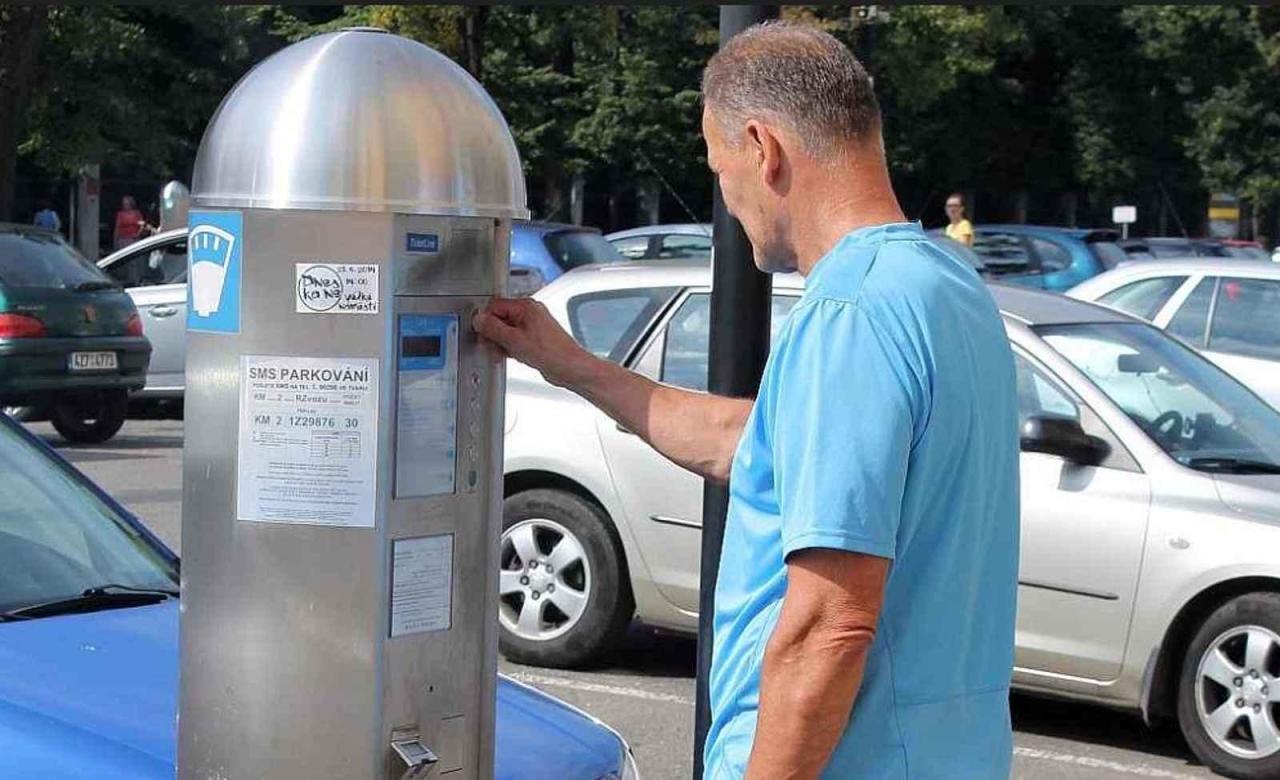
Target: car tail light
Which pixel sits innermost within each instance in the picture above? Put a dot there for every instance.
(134, 326)
(20, 326)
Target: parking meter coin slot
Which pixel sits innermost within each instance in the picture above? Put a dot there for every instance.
(426, 405)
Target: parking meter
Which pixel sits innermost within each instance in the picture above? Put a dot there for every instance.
(351, 208)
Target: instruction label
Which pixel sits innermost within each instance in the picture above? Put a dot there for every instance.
(421, 584)
(336, 288)
(308, 440)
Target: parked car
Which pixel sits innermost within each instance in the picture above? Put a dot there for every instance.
(548, 249)
(693, 242)
(1150, 507)
(89, 644)
(1170, 247)
(1052, 258)
(690, 241)
(71, 342)
(1228, 309)
(1245, 250)
(154, 273)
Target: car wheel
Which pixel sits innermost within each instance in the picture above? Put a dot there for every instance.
(563, 593)
(1229, 691)
(91, 418)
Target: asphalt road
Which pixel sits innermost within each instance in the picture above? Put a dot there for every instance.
(646, 689)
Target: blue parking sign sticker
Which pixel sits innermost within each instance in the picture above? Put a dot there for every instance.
(215, 248)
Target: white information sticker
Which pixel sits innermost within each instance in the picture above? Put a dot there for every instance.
(336, 288)
(421, 584)
(308, 440)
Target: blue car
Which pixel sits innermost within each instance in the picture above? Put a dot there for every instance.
(542, 251)
(1049, 258)
(89, 644)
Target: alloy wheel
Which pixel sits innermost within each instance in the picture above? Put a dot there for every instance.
(1238, 692)
(545, 580)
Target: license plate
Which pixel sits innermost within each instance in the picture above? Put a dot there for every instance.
(92, 361)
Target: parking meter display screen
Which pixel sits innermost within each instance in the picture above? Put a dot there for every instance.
(427, 405)
(421, 346)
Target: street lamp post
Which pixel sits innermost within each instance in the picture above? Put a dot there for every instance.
(738, 349)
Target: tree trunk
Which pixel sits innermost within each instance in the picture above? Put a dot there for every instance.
(472, 33)
(21, 33)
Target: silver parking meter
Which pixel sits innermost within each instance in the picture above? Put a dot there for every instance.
(352, 205)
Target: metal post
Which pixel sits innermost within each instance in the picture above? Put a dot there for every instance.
(738, 349)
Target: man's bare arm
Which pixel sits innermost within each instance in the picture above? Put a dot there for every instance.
(813, 662)
(694, 430)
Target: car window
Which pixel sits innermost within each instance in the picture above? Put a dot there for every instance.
(685, 247)
(1143, 298)
(608, 324)
(38, 259)
(1002, 252)
(685, 352)
(634, 248)
(1246, 318)
(573, 248)
(158, 265)
(57, 538)
(1038, 396)
(1193, 315)
(1052, 257)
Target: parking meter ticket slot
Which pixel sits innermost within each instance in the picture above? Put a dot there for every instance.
(307, 440)
(427, 405)
(421, 584)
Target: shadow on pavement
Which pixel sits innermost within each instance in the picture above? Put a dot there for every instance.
(1098, 726)
(648, 653)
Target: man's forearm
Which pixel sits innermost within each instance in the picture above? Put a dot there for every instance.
(806, 696)
(697, 431)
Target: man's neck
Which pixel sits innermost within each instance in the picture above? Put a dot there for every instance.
(849, 204)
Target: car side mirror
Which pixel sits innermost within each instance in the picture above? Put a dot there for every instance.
(1063, 437)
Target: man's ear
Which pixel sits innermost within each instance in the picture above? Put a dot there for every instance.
(764, 144)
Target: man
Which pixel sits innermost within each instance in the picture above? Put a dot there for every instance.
(959, 228)
(865, 607)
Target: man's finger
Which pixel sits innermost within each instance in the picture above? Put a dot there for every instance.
(492, 327)
(509, 309)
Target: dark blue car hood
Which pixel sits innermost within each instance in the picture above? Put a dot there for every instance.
(96, 695)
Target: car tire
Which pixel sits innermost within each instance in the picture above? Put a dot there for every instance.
(1239, 639)
(90, 418)
(550, 539)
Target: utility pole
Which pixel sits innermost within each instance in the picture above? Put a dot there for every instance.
(739, 345)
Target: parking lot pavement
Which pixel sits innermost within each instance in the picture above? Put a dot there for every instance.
(646, 688)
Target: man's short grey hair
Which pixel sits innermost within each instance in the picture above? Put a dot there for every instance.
(797, 76)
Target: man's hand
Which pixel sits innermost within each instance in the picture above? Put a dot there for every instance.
(814, 660)
(523, 329)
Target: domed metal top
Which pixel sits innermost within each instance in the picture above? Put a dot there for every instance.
(360, 120)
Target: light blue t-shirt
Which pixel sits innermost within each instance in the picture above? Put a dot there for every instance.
(886, 424)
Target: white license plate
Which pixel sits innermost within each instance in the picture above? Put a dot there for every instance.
(92, 361)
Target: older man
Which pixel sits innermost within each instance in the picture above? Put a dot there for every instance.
(865, 608)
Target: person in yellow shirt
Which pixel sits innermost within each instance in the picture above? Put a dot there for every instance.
(960, 228)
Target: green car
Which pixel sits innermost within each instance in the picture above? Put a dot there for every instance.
(71, 343)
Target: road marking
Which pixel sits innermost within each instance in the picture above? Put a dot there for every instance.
(1099, 763)
(587, 687)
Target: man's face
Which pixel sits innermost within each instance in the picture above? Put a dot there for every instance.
(955, 209)
(739, 171)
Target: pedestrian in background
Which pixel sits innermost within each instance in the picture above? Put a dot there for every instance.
(959, 228)
(46, 217)
(864, 612)
(130, 223)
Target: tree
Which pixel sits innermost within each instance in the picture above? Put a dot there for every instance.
(22, 30)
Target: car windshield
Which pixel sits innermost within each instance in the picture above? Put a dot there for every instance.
(30, 258)
(58, 538)
(1194, 411)
(573, 248)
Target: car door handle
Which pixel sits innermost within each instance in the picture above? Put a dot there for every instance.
(162, 311)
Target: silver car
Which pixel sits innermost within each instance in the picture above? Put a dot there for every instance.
(1150, 571)
(154, 273)
(1227, 309)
